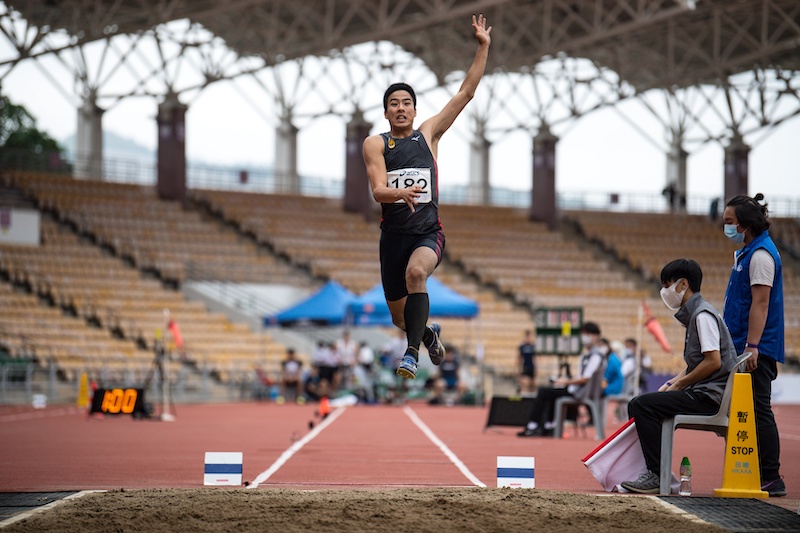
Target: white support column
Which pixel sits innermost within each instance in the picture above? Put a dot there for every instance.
(89, 140)
(286, 177)
(479, 187)
(676, 174)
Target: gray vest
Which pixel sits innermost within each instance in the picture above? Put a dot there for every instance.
(714, 385)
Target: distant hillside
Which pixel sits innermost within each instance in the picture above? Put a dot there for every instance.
(139, 162)
(115, 147)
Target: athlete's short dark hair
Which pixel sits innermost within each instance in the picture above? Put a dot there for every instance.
(398, 87)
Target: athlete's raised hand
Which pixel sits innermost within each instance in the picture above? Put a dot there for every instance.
(481, 31)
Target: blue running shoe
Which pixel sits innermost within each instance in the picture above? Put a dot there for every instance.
(436, 349)
(408, 367)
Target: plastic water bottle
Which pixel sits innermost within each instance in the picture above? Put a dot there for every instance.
(686, 478)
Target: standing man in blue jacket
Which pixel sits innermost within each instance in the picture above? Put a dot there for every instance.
(753, 312)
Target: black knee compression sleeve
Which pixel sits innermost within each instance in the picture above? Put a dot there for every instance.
(416, 317)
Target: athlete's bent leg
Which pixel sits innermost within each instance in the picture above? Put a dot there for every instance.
(421, 265)
(430, 335)
(397, 309)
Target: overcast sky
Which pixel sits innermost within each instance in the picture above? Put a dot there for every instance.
(602, 152)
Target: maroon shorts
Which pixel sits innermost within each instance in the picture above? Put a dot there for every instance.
(396, 250)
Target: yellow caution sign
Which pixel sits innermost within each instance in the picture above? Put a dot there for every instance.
(566, 329)
(741, 477)
(83, 391)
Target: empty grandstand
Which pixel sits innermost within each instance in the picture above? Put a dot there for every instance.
(91, 297)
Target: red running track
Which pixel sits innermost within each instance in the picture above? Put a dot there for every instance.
(59, 448)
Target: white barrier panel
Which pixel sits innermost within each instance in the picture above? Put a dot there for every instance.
(223, 468)
(786, 388)
(19, 226)
(515, 472)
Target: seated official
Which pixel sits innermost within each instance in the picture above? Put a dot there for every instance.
(541, 423)
(709, 354)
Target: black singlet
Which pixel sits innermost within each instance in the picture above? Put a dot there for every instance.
(409, 161)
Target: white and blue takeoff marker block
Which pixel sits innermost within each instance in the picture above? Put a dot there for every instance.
(223, 468)
(515, 472)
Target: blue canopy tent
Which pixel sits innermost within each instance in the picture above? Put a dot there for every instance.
(370, 308)
(334, 305)
(326, 307)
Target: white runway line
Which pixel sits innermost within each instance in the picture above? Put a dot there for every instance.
(30, 415)
(296, 447)
(442, 446)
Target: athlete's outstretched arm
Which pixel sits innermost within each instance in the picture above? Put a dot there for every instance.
(434, 127)
(376, 171)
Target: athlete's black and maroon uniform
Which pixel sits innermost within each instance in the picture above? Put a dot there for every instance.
(409, 162)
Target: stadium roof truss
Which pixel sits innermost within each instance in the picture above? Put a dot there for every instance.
(559, 58)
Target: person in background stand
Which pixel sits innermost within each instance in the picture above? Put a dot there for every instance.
(392, 355)
(627, 356)
(363, 375)
(327, 365)
(753, 311)
(291, 376)
(311, 384)
(527, 365)
(669, 193)
(542, 413)
(612, 377)
(713, 210)
(448, 380)
(346, 352)
(629, 368)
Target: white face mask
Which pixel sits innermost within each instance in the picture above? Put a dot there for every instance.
(586, 340)
(733, 234)
(671, 297)
(603, 350)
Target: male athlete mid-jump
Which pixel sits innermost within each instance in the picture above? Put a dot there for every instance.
(401, 165)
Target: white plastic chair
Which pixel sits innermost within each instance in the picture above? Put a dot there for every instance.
(618, 399)
(718, 423)
(592, 400)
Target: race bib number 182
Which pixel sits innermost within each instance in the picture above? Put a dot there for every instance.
(408, 177)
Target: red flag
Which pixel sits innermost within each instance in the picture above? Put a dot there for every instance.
(176, 333)
(654, 328)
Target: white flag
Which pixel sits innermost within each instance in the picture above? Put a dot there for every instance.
(619, 458)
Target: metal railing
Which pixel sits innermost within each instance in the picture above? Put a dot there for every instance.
(266, 180)
(22, 382)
